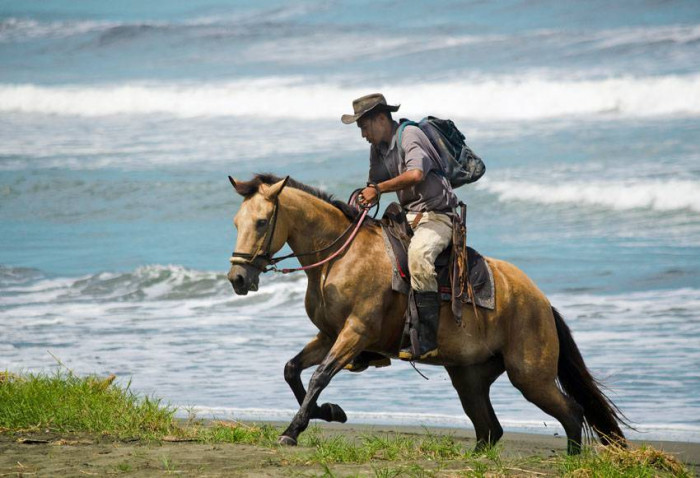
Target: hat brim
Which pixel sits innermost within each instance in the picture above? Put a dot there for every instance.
(350, 119)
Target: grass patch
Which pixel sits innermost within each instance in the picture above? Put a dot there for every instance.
(64, 402)
(233, 432)
(373, 447)
(614, 461)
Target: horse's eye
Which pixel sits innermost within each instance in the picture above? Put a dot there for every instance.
(261, 223)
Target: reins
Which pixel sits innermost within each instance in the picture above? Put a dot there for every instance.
(251, 259)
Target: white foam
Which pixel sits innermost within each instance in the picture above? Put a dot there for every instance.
(488, 98)
(658, 195)
(645, 35)
(158, 284)
(305, 47)
(22, 29)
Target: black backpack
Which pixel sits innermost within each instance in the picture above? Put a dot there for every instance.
(460, 165)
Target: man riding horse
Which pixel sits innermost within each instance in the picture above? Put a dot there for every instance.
(350, 300)
(425, 195)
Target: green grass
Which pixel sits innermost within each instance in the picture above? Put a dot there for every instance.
(233, 432)
(613, 461)
(64, 402)
(372, 447)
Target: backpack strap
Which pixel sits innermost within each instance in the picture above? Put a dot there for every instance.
(399, 133)
(440, 170)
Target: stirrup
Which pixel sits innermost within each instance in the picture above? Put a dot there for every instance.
(361, 366)
(429, 354)
(406, 354)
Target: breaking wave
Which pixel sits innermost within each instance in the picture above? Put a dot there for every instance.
(14, 29)
(144, 284)
(667, 195)
(487, 98)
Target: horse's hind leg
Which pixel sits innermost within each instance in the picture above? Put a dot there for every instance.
(312, 354)
(472, 384)
(541, 389)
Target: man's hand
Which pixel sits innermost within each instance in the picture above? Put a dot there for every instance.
(367, 196)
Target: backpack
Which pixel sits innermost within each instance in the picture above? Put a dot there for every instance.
(460, 164)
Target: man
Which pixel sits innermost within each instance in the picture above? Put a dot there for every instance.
(413, 172)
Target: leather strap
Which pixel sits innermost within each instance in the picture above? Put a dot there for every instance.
(416, 220)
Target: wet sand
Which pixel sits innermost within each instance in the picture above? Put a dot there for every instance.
(50, 454)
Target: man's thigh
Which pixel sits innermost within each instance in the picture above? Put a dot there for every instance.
(430, 237)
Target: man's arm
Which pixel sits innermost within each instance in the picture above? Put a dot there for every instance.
(402, 181)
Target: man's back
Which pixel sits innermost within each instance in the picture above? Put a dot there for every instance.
(434, 192)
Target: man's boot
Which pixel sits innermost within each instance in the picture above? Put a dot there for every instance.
(428, 305)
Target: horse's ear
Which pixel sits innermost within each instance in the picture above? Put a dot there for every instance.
(273, 191)
(241, 187)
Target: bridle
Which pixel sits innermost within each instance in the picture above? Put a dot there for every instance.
(263, 261)
(253, 259)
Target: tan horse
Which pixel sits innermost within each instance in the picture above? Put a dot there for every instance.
(350, 301)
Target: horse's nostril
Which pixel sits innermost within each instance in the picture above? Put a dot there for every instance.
(238, 281)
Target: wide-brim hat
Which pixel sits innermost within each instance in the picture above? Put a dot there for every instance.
(368, 104)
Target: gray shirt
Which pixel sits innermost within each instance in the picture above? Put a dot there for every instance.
(434, 192)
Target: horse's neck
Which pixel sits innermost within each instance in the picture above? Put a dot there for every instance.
(313, 225)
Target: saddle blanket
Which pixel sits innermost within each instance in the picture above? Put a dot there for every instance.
(396, 233)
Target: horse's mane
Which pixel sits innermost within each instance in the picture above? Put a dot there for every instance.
(248, 188)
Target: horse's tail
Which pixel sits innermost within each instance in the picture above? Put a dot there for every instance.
(599, 412)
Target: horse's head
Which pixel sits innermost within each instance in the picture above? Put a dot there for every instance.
(262, 231)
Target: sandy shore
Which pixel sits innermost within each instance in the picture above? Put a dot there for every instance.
(47, 454)
(513, 443)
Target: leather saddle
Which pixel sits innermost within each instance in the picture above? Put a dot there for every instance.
(398, 234)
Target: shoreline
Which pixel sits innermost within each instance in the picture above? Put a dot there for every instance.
(513, 443)
(646, 433)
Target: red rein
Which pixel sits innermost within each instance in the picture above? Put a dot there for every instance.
(332, 256)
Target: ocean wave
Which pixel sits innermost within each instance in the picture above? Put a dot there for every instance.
(310, 47)
(23, 29)
(613, 38)
(15, 29)
(645, 308)
(150, 283)
(486, 98)
(666, 195)
(11, 276)
(27, 29)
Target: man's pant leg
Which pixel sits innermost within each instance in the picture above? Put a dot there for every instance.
(430, 237)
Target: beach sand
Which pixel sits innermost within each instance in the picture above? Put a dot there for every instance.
(51, 454)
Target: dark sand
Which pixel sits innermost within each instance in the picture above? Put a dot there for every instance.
(50, 454)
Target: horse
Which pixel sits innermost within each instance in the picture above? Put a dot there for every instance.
(351, 302)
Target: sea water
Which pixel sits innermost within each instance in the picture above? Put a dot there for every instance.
(120, 121)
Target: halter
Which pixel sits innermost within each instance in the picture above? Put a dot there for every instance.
(254, 259)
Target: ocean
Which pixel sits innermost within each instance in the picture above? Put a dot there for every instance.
(120, 121)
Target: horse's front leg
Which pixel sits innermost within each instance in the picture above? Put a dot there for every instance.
(350, 342)
(312, 354)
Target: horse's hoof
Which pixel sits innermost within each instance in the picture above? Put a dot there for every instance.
(331, 412)
(287, 441)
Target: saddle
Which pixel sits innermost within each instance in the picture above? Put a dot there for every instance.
(397, 235)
